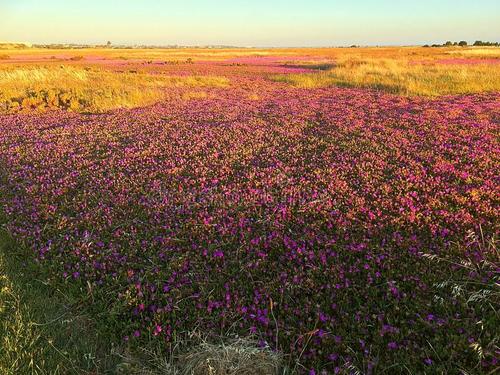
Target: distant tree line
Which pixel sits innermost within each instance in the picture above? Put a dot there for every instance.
(487, 44)
(463, 43)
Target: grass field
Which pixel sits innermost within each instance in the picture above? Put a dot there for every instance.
(85, 89)
(99, 80)
(402, 77)
(246, 211)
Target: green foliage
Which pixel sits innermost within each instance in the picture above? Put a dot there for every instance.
(43, 328)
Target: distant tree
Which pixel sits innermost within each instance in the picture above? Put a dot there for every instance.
(478, 43)
(426, 46)
(462, 43)
(108, 44)
(448, 44)
(455, 44)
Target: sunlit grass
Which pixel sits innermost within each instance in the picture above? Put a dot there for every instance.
(487, 52)
(218, 54)
(399, 76)
(88, 89)
(155, 54)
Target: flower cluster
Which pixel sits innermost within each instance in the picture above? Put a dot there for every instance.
(298, 215)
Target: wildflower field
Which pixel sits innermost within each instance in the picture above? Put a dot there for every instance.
(347, 224)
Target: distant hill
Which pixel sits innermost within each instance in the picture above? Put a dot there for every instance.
(14, 45)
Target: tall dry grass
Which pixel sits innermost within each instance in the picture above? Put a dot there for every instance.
(402, 76)
(87, 89)
(481, 52)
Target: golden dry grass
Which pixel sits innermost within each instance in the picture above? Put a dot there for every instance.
(90, 89)
(154, 54)
(182, 54)
(402, 76)
(483, 52)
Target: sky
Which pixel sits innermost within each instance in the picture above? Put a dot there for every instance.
(259, 23)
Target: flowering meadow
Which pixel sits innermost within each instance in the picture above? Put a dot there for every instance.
(309, 218)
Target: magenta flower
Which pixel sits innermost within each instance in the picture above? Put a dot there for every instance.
(392, 345)
(295, 216)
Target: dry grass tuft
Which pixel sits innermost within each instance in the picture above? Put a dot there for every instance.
(240, 357)
(237, 357)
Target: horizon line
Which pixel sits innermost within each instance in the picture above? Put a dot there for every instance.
(229, 46)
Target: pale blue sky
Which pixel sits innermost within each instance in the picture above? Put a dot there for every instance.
(250, 22)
